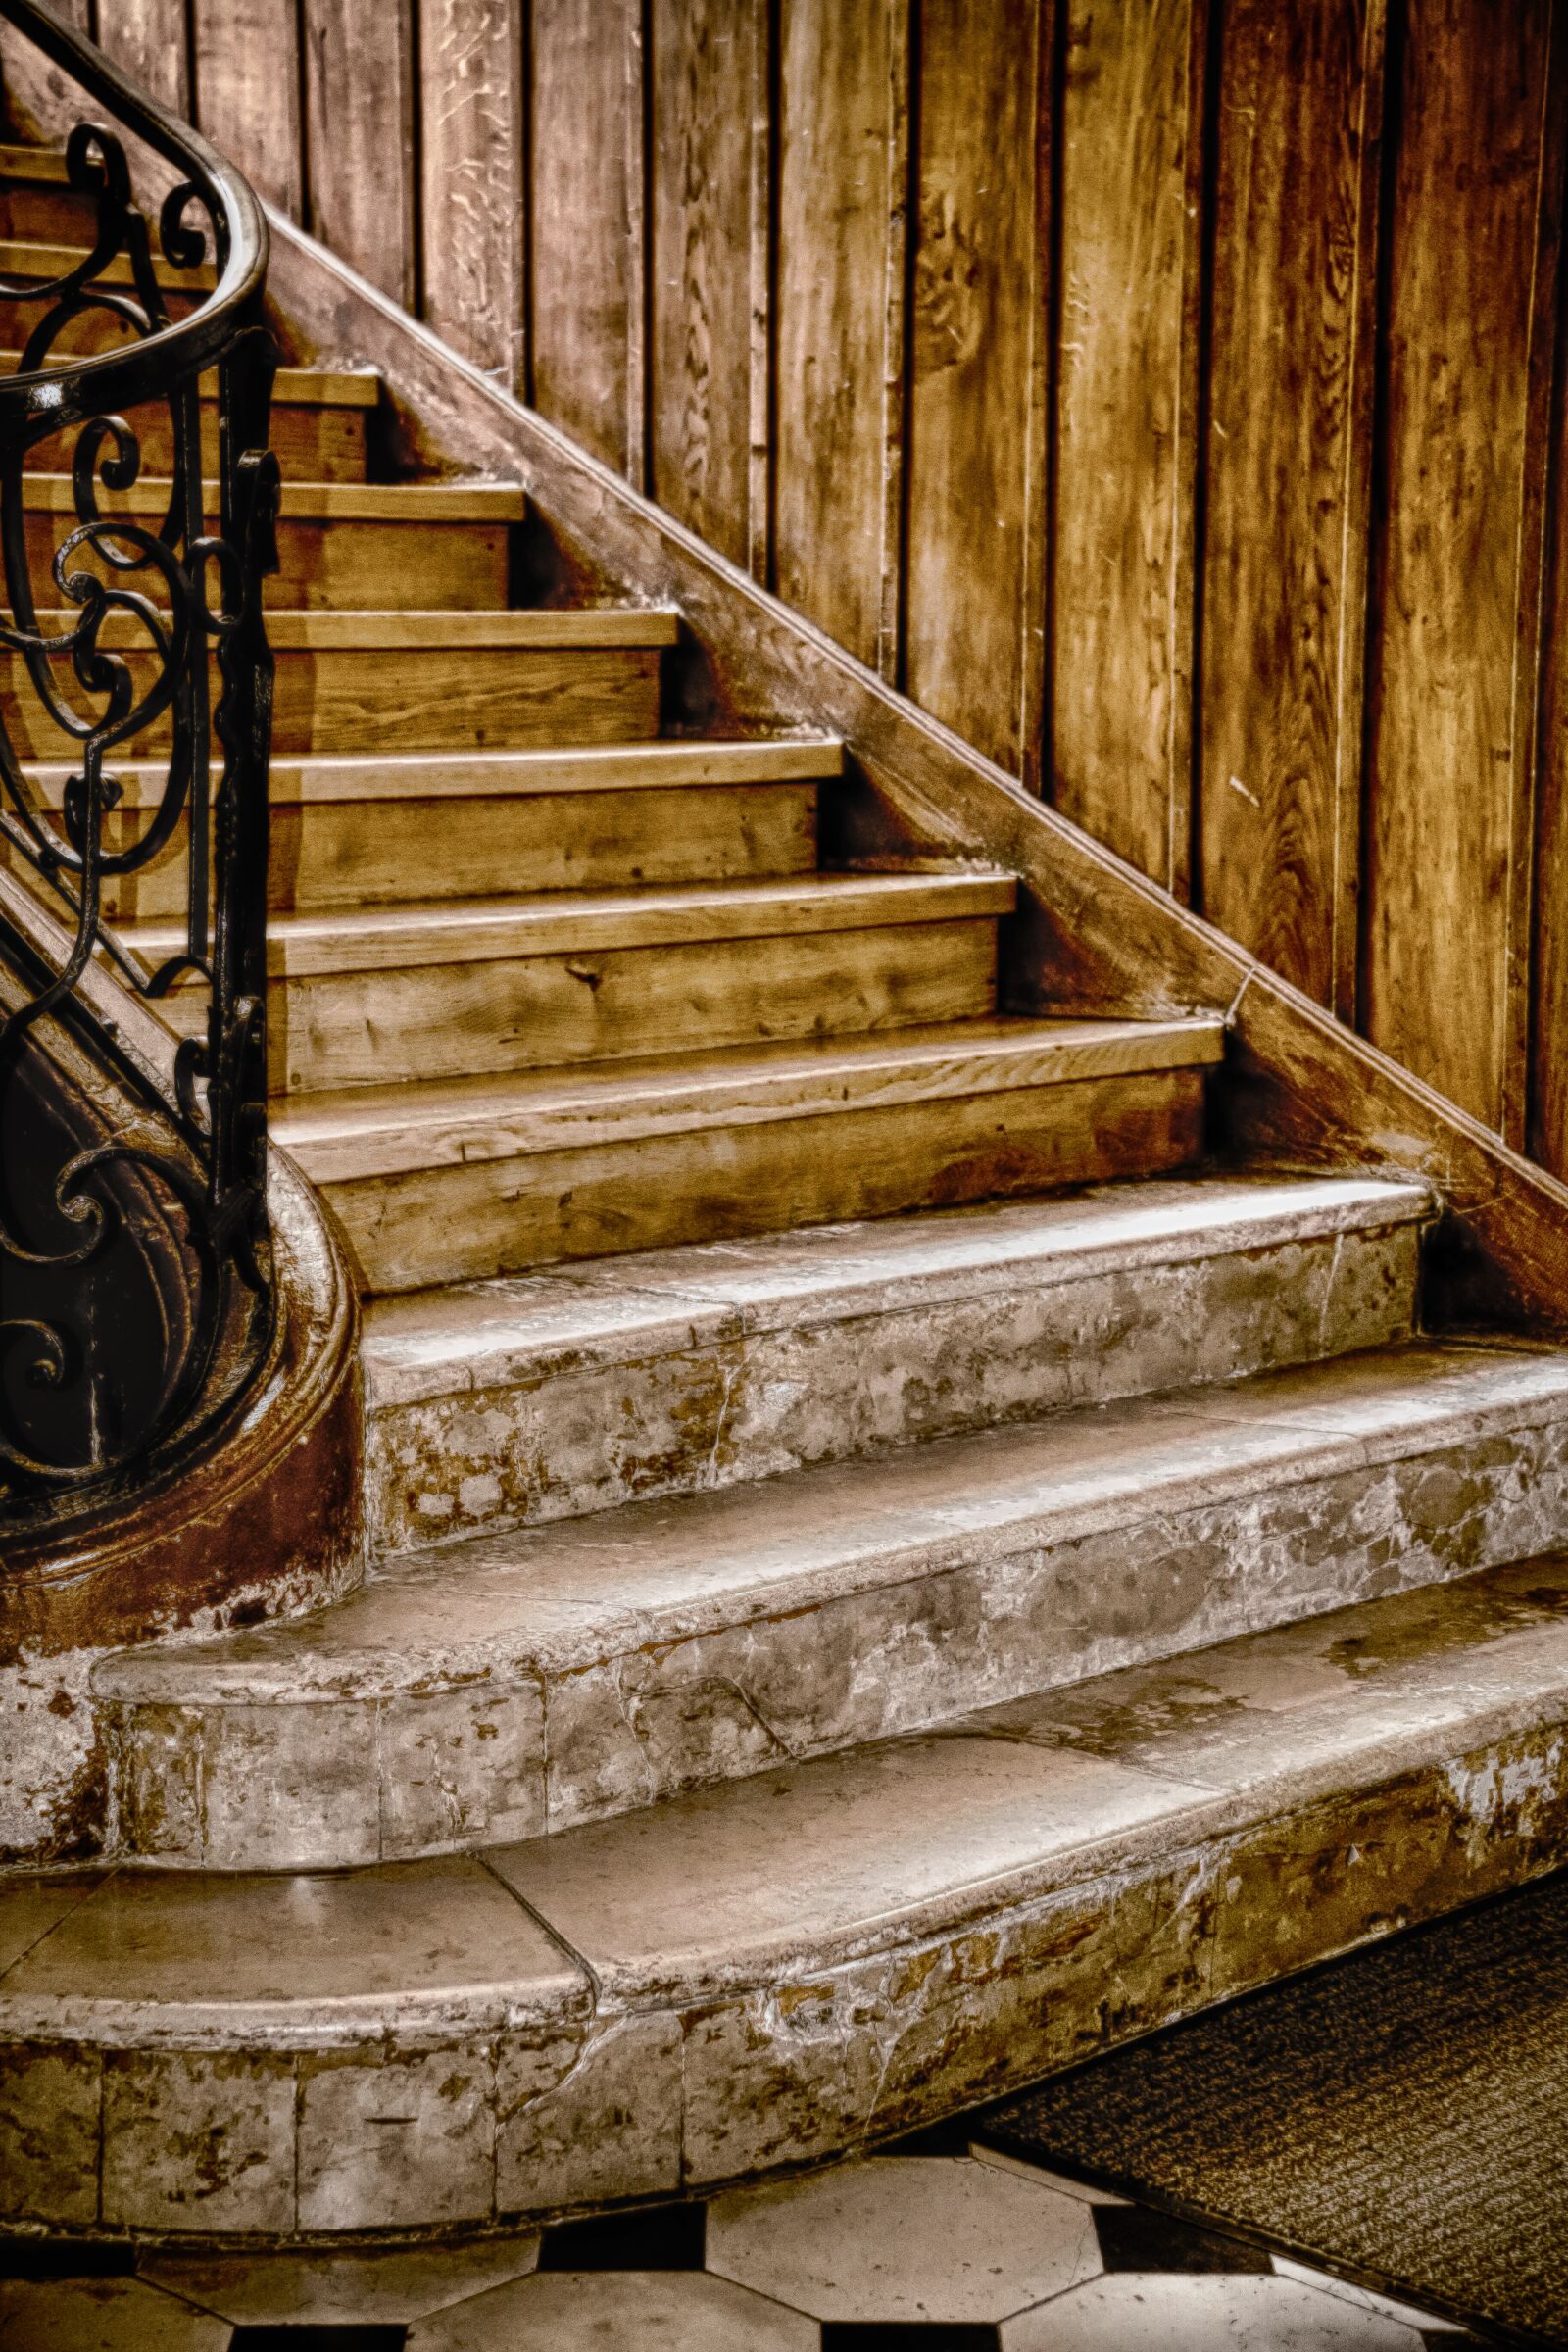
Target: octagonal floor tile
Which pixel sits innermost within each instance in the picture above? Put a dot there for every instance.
(102, 2314)
(916, 2240)
(617, 2311)
(403, 2284)
(1139, 2312)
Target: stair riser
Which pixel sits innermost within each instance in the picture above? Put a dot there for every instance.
(339, 854)
(327, 1783)
(48, 214)
(343, 565)
(465, 1019)
(312, 441)
(92, 331)
(723, 1405)
(365, 700)
(476, 2118)
(455, 1222)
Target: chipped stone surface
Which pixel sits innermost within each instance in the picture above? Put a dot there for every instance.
(568, 1673)
(609, 2126)
(535, 1397)
(789, 1967)
(199, 2141)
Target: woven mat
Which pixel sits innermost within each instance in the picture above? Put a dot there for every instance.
(1401, 2116)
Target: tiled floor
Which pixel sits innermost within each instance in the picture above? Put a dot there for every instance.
(930, 2247)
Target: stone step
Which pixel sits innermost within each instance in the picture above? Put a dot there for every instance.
(380, 994)
(453, 681)
(466, 1177)
(356, 546)
(349, 832)
(530, 1398)
(781, 1970)
(500, 1685)
(318, 425)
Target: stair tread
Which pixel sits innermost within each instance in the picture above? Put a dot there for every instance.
(46, 259)
(573, 1591)
(810, 1866)
(552, 922)
(292, 387)
(292, 630)
(307, 501)
(360, 1131)
(440, 775)
(509, 1327)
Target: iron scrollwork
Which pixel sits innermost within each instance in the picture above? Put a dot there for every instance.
(116, 666)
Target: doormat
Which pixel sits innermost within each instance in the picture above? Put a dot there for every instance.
(1399, 2117)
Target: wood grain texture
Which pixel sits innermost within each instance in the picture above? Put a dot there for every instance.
(498, 1216)
(472, 184)
(978, 341)
(843, 188)
(586, 225)
(1294, 230)
(710, 269)
(1300, 1086)
(360, 103)
(250, 115)
(1444, 792)
(1126, 424)
(148, 38)
(1546, 1133)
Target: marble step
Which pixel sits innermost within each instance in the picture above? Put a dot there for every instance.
(528, 1398)
(502, 1685)
(778, 1971)
(459, 1178)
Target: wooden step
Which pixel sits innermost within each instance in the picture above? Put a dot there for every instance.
(669, 1645)
(377, 996)
(779, 1970)
(351, 832)
(493, 1404)
(43, 261)
(37, 203)
(468, 1177)
(360, 682)
(341, 546)
(318, 429)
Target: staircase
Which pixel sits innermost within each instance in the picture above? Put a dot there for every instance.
(892, 1569)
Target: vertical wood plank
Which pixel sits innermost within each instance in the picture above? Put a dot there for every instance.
(471, 172)
(358, 97)
(148, 38)
(246, 74)
(1445, 785)
(976, 485)
(1295, 243)
(587, 225)
(1546, 1133)
(709, 242)
(842, 189)
(1126, 416)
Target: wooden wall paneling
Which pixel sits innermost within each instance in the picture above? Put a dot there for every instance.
(843, 169)
(1541, 482)
(1288, 446)
(148, 38)
(1546, 1136)
(710, 274)
(1444, 783)
(359, 98)
(976, 457)
(587, 225)
(472, 178)
(252, 114)
(1126, 422)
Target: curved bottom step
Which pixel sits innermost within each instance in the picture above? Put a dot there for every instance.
(783, 1969)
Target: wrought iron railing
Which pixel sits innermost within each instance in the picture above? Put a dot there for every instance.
(106, 651)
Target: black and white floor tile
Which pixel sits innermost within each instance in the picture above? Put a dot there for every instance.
(929, 2247)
